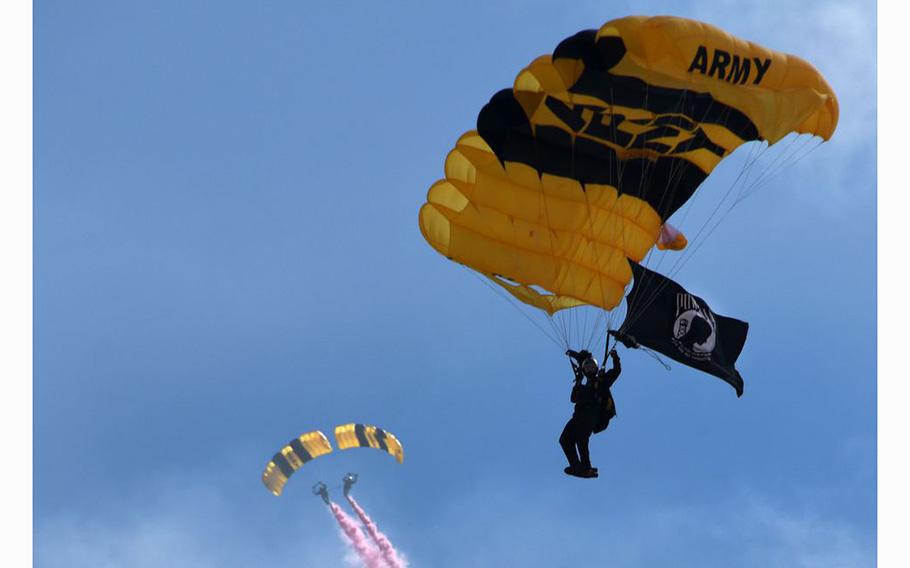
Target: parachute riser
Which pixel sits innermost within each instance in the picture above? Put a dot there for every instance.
(606, 350)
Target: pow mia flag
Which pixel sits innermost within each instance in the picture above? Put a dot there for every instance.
(665, 317)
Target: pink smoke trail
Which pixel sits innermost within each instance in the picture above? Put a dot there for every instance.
(368, 554)
(385, 546)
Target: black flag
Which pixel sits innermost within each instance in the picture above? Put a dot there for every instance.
(663, 316)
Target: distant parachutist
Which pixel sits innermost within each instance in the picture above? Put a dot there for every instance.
(321, 490)
(349, 480)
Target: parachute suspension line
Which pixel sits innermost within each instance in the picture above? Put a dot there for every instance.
(599, 323)
(800, 154)
(756, 187)
(682, 258)
(558, 322)
(745, 177)
(560, 318)
(671, 184)
(617, 167)
(648, 297)
(782, 156)
(508, 297)
(746, 191)
(594, 246)
(603, 315)
(688, 206)
(558, 330)
(583, 334)
(671, 187)
(674, 178)
(558, 325)
(593, 243)
(581, 320)
(790, 157)
(756, 151)
(697, 241)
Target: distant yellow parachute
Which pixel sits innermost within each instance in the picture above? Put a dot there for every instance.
(578, 166)
(299, 451)
(365, 436)
(311, 445)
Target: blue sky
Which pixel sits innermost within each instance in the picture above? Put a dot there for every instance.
(226, 254)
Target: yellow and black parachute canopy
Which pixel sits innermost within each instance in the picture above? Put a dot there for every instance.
(311, 445)
(292, 457)
(365, 436)
(578, 165)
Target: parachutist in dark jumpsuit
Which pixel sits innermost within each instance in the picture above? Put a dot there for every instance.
(320, 489)
(349, 480)
(594, 407)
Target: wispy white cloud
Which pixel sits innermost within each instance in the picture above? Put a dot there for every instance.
(804, 540)
(180, 526)
(497, 524)
(504, 528)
